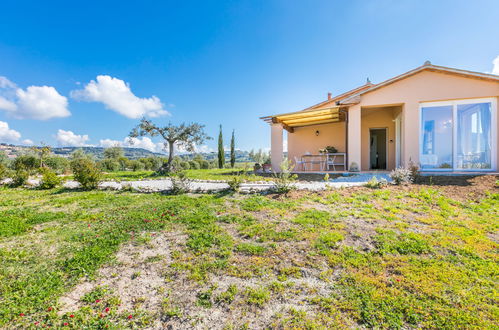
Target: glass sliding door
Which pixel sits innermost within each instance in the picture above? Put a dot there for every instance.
(474, 136)
(458, 135)
(436, 151)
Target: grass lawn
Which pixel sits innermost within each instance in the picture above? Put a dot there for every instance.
(209, 174)
(400, 257)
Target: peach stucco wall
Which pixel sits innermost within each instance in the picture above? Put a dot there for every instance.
(425, 86)
(372, 112)
(378, 118)
(304, 139)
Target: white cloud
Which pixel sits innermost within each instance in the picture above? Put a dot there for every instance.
(6, 83)
(36, 102)
(495, 69)
(116, 95)
(108, 143)
(144, 143)
(203, 149)
(28, 142)
(7, 134)
(70, 139)
(7, 105)
(42, 103)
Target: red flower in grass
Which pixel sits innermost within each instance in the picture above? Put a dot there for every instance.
(71, 316)
(66, 324)
(36, 323)
(106, 310)
(397, 279)
(97, 301)
(49, 309)
(21, 314)
(130, 317)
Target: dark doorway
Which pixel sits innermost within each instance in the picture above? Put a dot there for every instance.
(377, 149)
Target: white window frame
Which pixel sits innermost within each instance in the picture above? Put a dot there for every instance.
(454, 104)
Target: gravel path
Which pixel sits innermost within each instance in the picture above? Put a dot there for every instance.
(206, 186)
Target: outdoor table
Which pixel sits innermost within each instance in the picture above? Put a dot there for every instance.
(324, 160)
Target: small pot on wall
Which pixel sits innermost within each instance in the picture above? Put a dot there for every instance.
(354, 167)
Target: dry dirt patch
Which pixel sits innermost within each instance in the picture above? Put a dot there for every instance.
(135, 276)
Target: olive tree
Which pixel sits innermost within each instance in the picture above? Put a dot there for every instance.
(186, 136)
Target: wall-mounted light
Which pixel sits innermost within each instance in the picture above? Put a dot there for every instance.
(317, 133)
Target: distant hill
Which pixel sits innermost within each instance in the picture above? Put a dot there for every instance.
(131, 153)
(98, 152)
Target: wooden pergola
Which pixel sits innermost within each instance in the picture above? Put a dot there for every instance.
(306, 118)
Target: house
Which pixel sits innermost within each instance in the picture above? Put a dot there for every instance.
(441, 118)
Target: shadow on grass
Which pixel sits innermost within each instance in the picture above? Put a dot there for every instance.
(445, 180)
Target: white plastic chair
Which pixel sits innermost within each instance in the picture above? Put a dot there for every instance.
(331, 161)
(299, 162)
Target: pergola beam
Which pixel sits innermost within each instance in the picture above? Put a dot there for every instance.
(316, 123)
(307, 114)
(311, 119)
(285, 126)
(307, 118)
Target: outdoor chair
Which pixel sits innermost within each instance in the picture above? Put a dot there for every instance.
(332, 160)
(299, 162)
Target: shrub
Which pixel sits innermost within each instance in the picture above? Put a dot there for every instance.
(49, 179)
(152, 163)
(414, 169)
(235, 182)
(185, 165)
(374, 183)
(27, 163)
(284, 180)
(58, 164)
(4, 172)
(194, 165)
(20, 178)
(181, 184)
(137, 165)
(110, 165)
(204, 164)
(401, 175)
(86, 173)
(124, 163)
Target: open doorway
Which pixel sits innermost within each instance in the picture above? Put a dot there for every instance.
(377, 148)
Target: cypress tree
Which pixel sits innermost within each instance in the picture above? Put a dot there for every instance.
(232, 150)
(221, 152)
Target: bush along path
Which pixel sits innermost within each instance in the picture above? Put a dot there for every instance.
(202, 186)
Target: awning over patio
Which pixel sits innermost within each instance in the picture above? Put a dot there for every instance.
(306, 118)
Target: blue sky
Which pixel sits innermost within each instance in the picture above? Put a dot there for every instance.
(214, 62)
